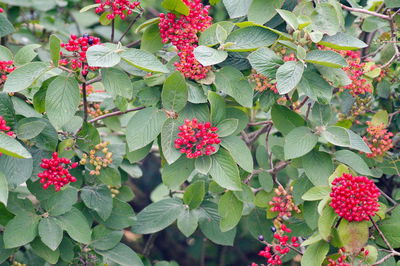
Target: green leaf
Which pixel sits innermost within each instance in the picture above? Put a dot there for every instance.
(315, 254)
(325, 19)
(98, 198)
(175, 174)
(169, 133)
(87, 8)
(265, 61)
(227, 126)
(262, 11)
(24, 76)
(318, 167)
(62, 100)
(289, 18)
(122, 255)
(30, 127)
(16, 170)
(392, 3)
(144, 127)
(210, 36)
(345, 138)
(224, 170)
(122, 216)
(104, 238)
(5, 54)
(143, 60)
(158, 216)
(239, 151)
(321, 114)
(326, 222)
(209, 220)
(381, 117)
(316, 193)
(230, 210)
(12, 147)
(117, 82)
(285, 120)
(174, 94)
(3, 189)
(26, 54)
(232, 82)
(176, 6)
(194, 194)
(250, 38)
(354, 161)
(353, 235)
(21, 230)
(326, 58)
(188, 222)
(288, 76)
(298, 142)
(389, 228)
(76, 225)
(62, 201)
(138, 155)
(342, 41)
(203, 164)
(105, 55)
(237, 8)
(50, 232)
(5, 26)
(314, 86)
(151, 39)
(218, 105)
(40, 249)
(208, 56)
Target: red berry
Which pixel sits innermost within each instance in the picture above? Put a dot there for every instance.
(354, 198)
(116, 8)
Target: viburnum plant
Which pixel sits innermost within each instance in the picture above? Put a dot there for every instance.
(188, 132)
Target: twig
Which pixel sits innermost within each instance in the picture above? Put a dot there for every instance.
(308, 110)
(303, 102)
(85, 103)
(149, 245)
(381, 234)
(112, 30)
(364, 11)
(289, 100)
(133, 44)
(130, 26)
(116, 114)
(96, 79)
(203, 253)
(388, 197)
(384, 259)
(258, 123)
(65, 69)
(254, 135)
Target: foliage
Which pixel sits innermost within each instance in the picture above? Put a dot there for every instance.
(172, 132)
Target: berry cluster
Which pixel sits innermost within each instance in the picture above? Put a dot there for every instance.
(283, 203)
(262, 82)
(95, 110)
(290, 57)
(355, 71)
(182, 32)
(379, 140)
(115, 8)
(114, 190)
(77, 56)
(6, 67)
(57, 172)
(343, 258)
(280, 246)
(354, 198)
(100, 157)
(359, 108)
(4, 128)
(196, 139)
(16, 263)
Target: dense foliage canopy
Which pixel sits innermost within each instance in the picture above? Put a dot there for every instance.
(188, 132)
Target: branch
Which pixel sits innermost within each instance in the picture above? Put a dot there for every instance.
(303, 102)
(364, 11)
(116, 114)
(381, 234)
(96, 79)
(130, 26)
(112, 30)
(85, 103)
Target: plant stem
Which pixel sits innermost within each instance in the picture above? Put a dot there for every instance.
(381, 234)
(116, 114)
(85, 103)
(130, 26)
(112, 30)
(364, 11)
